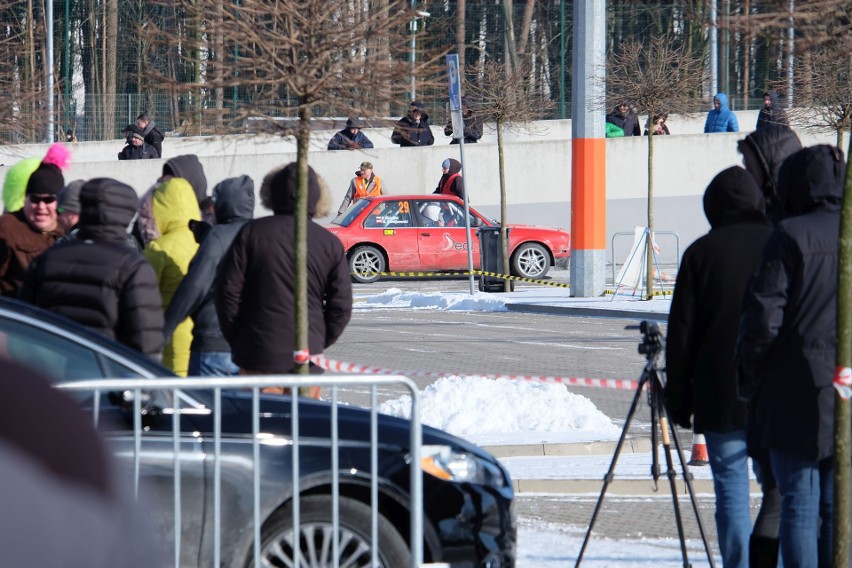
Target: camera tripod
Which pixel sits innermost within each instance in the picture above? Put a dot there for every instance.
(654, 379)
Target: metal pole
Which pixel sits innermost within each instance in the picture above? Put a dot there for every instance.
(563, 114)
(48, 16)
(67, 63)
(412, 54)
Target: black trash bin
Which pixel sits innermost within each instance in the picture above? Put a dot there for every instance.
(491, 259)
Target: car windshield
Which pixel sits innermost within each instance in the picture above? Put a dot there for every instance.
(345, 219)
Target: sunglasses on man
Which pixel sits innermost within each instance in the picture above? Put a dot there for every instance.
(36, 199)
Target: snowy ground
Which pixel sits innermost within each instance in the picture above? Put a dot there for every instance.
(534, 413)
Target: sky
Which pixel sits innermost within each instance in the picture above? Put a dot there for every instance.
(530, 412)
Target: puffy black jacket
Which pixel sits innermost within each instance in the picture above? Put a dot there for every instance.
(234, 207)
(96, 279)
(255, 290)
(787, 342)
(707, 302)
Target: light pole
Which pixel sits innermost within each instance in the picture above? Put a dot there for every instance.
(418, 14)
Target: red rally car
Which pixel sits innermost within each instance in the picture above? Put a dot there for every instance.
(402, 233)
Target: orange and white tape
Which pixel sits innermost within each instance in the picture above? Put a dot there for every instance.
(355, 369)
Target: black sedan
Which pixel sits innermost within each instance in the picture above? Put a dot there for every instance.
(467, 495)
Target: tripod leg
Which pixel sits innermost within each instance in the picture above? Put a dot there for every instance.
(611, 471)
(671, 474)
(687, 478)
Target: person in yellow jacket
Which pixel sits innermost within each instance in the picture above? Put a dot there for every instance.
(173, 204)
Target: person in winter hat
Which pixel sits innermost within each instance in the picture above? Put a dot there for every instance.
(173, 205)
(255, 294)
(365, 184)
(413, 129)
(69, 205)
(26, 233)
(95, 279)
(721, 118)
(451, 182)
(351, 137)
(137, 148)
(210, 354)
(701, 340)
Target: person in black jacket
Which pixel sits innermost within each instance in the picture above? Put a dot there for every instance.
(210, 354)
(702, 332)
(625, 119)
(472, 125)
(413, 129)
(255, 291)
(351, 137)
(763, 153)
(786, 350)
(771, 113)
(96, 279)
(136, 148)
(153, 136)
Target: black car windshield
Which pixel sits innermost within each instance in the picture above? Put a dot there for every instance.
(345, 219)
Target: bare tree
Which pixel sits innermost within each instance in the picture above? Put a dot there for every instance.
(508, 98)
(660, 77)
(301, 57)
(824, 92)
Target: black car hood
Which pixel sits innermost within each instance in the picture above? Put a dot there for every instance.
(353, 422)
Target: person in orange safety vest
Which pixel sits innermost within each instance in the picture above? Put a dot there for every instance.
(364, 184)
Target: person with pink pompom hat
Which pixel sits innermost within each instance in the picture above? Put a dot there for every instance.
(26, 233)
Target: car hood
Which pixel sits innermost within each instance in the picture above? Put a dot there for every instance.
(353, 423)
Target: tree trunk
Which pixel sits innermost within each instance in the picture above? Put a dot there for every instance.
(529, 9)
(511, 45)
(110, 64)
(300, 239)
(842, 453)
(504, 237)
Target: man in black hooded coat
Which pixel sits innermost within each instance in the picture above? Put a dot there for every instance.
(786, 350)
(210, 354)
(255, 292)
(771, 112)
(96, 279)
(702, 331)
(763, 153)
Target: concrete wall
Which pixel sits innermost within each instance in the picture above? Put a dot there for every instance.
(537, 167)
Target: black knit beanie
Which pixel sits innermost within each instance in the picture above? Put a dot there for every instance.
(46, 179)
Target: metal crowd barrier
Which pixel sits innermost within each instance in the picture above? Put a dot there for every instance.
(255, 383)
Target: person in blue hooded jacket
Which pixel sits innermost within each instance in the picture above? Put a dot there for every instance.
(721, 118)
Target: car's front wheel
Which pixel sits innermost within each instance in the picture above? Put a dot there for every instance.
(366, 264)
(316, 537)
(531, 260)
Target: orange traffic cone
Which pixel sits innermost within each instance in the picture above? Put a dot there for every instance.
(699, 451)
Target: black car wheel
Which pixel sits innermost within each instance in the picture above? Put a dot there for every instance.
(531, 260)
(366, 264)
(315, 537)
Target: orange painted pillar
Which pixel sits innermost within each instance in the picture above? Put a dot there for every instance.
(588, 151)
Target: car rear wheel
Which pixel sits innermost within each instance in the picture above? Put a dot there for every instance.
(315, 537)
(366, 264)
(531, 260)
